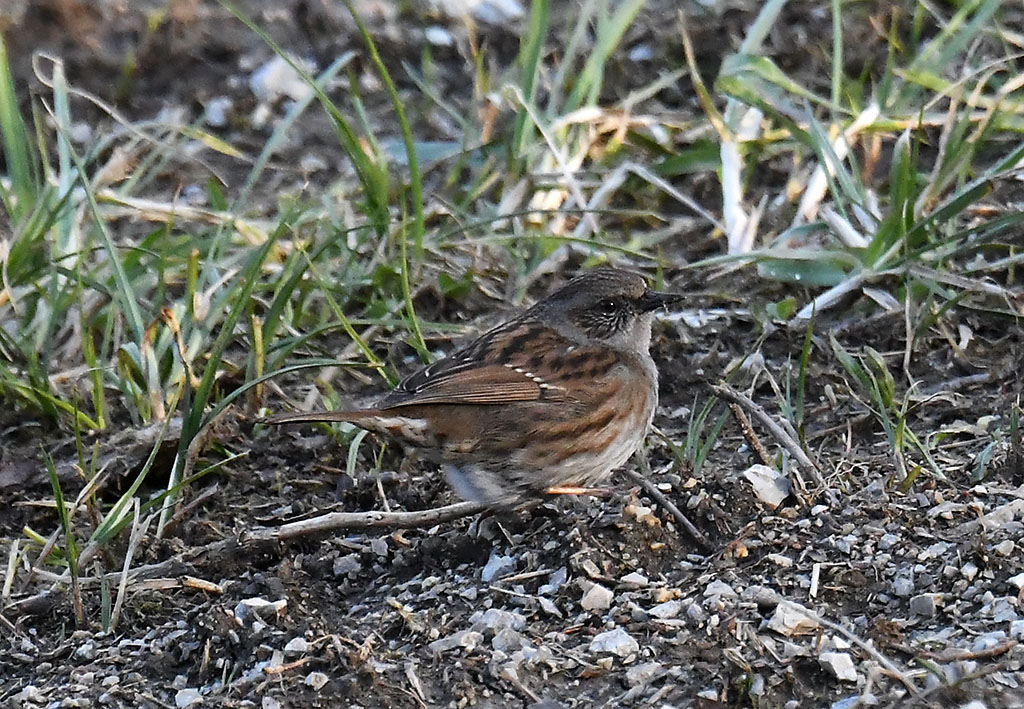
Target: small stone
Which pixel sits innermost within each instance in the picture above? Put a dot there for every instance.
(903, 585)
(720, 589)
(1017, 629)
(641, 53)
(347, 565)
(839, 664)
(933, 551)
(696, 613)
(1002, 610)
(888, 541)
(497, 566)
(988, 641)
(791, 619)
(549, 607)
(187, 697)
(379, 546)
(86, 651)
(770, 486)
(615, 642)
(296, 646)
(643, 514)
(764, 596)
(660, 595)
(438, 36)
(494, 12)
(925, 604)
(1005, 547)
(781, 560)
(634, 580)
(29, 693)
(316, 680)
(844, 544)
(497, 619)
(668, 609)
(217, 109)
(642, 674)
(250, 608)
(81, 131)
(590, 569)
(278, 78)
(270, 703)
(555, 582)
(597, 598)
(467, 639)
(507, 640)
(875, 490)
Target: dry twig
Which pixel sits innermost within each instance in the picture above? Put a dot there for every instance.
(748, 433)
(782, 432)
(660, 497)
(333, 521)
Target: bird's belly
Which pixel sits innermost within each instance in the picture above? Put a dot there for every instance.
(592, 466)
(586, 455)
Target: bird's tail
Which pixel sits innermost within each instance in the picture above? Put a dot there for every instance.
(324, 417)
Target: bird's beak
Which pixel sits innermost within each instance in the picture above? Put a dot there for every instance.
(652, 300)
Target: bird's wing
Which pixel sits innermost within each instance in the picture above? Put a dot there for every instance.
(494, 369)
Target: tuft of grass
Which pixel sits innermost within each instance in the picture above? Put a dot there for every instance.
(701, 434)
(874, 227)
(874, 387)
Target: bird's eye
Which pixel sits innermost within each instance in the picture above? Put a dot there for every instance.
(607, 306)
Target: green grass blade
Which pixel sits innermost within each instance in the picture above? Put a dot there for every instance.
(609, 33)
(415, 179)
(16, 146)
(530, 50)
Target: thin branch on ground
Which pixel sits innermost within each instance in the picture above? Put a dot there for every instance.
(889, 666)
(329, 522)
(651, 489)
(778, 431)
(263, 536)
(923, 698)
(334, 521)
(749, 434)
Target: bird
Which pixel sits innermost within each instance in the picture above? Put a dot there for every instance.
(551, 401)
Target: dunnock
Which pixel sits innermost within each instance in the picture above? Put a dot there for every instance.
(553, 399)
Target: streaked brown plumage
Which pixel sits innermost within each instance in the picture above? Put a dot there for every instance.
(559, 396)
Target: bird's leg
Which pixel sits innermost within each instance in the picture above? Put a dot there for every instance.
(575, 490)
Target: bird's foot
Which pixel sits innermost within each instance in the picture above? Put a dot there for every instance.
(575, 490)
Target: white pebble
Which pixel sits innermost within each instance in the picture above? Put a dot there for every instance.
(597, 598)
(187, 697)
(615, 642)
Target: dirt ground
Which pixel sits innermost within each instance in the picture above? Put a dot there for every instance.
(579, 602)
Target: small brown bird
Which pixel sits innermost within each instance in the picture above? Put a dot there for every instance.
(551, 401)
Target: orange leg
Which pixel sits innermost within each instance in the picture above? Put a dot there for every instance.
(573, 490)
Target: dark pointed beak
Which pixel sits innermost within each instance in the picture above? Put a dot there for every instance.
(652, 300)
